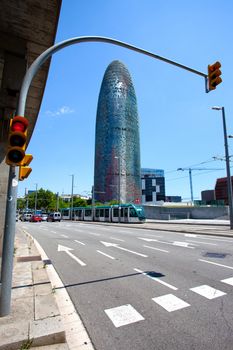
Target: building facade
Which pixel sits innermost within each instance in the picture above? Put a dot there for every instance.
(221, 189)
(153, 185)
(117, 147)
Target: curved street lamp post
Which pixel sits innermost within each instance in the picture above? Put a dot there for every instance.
(9, 228)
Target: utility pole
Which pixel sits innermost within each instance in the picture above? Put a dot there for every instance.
(36, 199)
(190, 177)
(57, 201)
(229, 184)
(72, 198)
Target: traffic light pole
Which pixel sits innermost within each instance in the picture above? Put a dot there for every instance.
(9, 229)
(8, 244)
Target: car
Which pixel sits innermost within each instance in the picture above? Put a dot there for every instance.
(26, 217)
(44, 217)
(56, 216)
(36, 218)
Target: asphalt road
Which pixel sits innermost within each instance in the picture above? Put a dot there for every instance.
(140, 289)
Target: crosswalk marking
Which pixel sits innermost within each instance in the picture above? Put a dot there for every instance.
(228, 281)
(207, 291)
(123, 315)
(170, 302)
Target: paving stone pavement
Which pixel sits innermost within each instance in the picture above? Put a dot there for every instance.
(36, 321)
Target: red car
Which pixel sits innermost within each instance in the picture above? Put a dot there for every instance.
(36, 218)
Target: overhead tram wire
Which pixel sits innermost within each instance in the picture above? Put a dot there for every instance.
(196, 174)
(204, 162)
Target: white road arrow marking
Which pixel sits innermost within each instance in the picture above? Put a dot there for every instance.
(115, 245)
(176, 243)
(62, 248)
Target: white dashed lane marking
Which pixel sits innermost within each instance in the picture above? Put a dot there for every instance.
(170, 302)
(208, 292)
(117, 239)
(161, 250)
(79, 242)
(156, 279)
(201, 242)
(213, 263)
(108, 256)
(123, 315)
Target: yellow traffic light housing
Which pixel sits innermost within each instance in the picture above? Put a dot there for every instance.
(24, 172)
(214, 75)
(17, 140)
(24, 169)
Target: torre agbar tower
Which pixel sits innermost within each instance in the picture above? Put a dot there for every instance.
(117, 148)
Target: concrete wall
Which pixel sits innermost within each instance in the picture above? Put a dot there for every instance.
(166, 213)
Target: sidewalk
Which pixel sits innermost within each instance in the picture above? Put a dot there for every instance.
(202, 227)
(42, 317)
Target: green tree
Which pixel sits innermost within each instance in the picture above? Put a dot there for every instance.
(46, 200)
(79, 202)
(21, 203)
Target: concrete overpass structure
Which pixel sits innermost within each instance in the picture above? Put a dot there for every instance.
(27, 28)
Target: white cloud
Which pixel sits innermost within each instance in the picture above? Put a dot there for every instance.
(60, 111)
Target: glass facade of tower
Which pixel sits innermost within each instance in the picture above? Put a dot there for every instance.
(117, 148)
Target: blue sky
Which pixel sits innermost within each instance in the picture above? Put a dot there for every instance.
(177, 126)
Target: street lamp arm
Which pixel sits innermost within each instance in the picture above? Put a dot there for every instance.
(57, 47)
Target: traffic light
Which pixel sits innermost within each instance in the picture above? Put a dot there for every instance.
(24, 169)
(17, 140)
(214, 75)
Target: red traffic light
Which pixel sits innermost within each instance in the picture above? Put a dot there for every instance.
(17, 140)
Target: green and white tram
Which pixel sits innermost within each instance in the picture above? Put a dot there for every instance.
(130, 213)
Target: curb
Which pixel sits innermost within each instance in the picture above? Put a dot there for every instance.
(76, 335)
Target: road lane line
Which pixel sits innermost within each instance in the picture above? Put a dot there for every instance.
(201, 242)
(117, 239)
(182, 244)
(108, 256)
(79, 242)
(211, 262)
(64, 236)
(93, 233)
(161, 250)
(156, 279)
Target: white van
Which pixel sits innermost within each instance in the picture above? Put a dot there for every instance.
(26, 217)
(56, 216)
